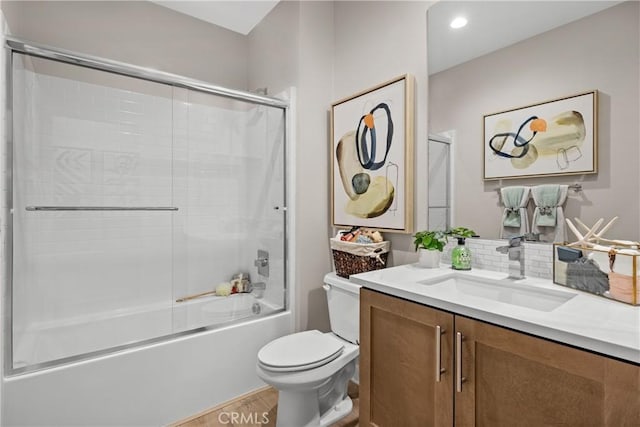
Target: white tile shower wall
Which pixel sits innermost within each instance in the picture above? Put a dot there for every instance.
(229, 177)
(538, 258)
(99, 141)
(76, 151)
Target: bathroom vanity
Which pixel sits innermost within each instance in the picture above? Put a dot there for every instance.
(454, 348)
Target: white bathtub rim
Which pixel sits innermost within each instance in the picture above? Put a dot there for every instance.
(99, 355)
(108, 315)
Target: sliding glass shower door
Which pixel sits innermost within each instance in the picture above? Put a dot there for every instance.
(230, 184)
(129, 195)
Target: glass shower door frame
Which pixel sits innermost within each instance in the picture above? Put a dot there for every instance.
(18, 46)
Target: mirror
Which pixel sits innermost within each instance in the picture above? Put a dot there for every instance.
(439, 189)
(517, 53)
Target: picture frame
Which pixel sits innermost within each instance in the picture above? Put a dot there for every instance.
(551, 138)
(371, 157)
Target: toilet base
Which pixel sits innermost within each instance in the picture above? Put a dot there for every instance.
(300, 409)
(338, 412)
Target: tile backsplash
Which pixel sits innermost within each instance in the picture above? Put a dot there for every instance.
(538, 257)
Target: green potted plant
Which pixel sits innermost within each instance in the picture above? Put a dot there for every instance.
(429, 245)
(461, 232)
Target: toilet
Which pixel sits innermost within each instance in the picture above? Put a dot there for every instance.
(311, 370)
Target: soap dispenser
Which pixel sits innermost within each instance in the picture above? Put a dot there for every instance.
(461, 256)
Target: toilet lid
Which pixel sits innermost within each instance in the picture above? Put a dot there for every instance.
(296, 352)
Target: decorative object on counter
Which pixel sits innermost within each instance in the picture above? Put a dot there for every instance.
(548, 216)
(585, 274)
(557, 137)
(429, 245)
(461, 254)
(514, 218)
(582, 264)
(353, 257)
(622, 286)
(593, 237)
(372, 157)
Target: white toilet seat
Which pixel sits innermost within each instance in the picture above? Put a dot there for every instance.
(300, 351)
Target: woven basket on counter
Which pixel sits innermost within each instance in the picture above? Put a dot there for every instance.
(353, 258)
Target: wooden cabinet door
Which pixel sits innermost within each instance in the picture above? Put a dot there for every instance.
(398, 360)
(513, 379)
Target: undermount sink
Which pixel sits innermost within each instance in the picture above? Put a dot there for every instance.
(505, 291)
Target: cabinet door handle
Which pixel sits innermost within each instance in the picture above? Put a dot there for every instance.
(439, 369)
(459, 378)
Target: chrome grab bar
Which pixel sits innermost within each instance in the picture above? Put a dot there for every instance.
(101, 208)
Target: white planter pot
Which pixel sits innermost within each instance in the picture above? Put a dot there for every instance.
(428, 259)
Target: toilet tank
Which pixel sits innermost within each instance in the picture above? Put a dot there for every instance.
(343, 298)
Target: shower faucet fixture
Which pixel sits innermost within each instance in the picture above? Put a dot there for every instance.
(257, 289)
(262, 262)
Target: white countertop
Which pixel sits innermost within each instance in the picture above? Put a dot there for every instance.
(586, 321)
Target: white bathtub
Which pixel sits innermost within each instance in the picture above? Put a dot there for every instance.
(149, 385)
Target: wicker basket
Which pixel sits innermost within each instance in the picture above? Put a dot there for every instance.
(353, 258)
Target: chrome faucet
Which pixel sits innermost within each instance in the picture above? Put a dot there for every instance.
(257, 289)
(515, 250)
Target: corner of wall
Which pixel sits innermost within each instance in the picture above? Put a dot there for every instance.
(3, 185)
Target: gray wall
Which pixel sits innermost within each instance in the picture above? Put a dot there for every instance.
(136, 32)
(3, 213)
(374, 42)
(273, 46)
(318, 46)
(598, 52)
(293, 46)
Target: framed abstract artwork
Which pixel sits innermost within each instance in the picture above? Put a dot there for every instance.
(551, 138)
(372, 136)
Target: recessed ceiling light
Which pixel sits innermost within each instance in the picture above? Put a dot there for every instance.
(458, 22)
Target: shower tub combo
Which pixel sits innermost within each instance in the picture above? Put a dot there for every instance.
(132, 195)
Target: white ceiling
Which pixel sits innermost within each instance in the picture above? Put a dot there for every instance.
(494, 25)
(236, 15)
